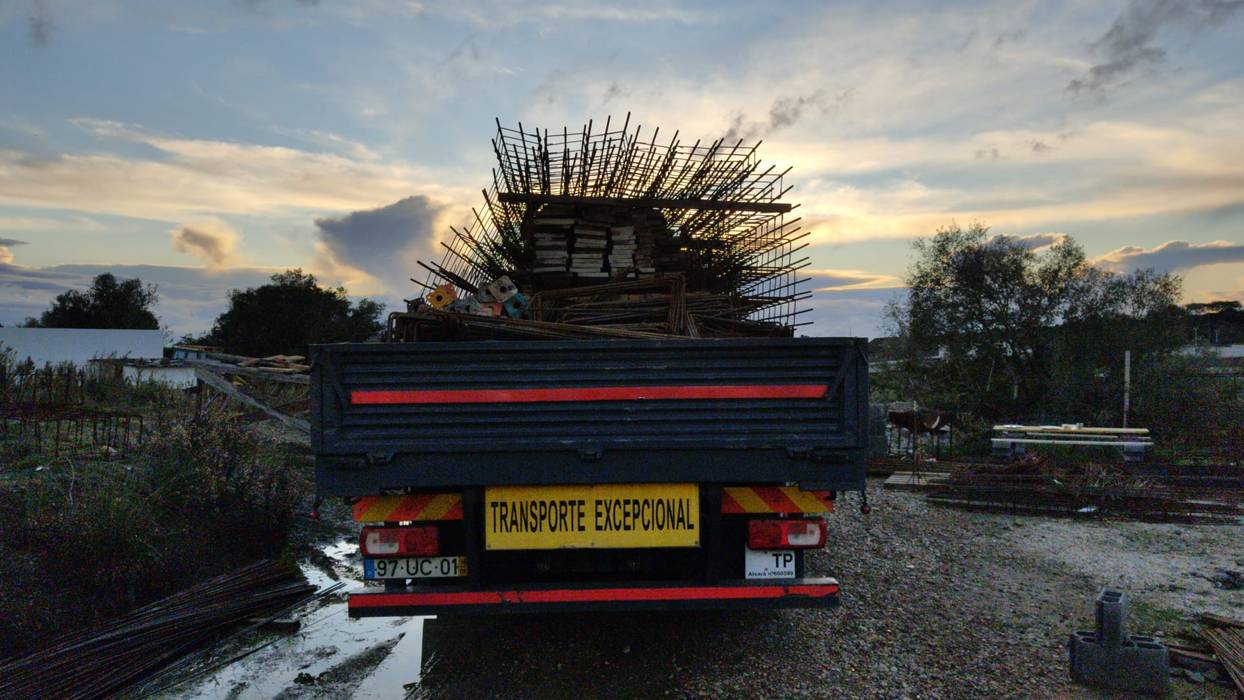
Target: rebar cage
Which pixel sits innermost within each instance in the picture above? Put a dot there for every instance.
(716, 205)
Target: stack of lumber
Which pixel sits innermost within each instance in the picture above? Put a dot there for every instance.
(273, 364)
(551, 243)
(588, 259)
(621, 250)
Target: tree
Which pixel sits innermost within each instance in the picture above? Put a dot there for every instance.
(108, 303)
(1023, 334)
(289, 314)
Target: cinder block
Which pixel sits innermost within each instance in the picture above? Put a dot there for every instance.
(1110, 658)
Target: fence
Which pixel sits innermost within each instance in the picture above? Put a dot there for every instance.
(49, 412)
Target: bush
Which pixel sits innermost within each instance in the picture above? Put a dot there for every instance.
(85, 541)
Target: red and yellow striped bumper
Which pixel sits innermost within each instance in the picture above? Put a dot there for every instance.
(774, 499)
(424, 506)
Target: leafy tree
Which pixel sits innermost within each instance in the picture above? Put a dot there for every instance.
(1216, 322)
(109, 303)
(290, 313)
(1022, 334)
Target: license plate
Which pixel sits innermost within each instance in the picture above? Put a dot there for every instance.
(592, 516)
(769, 563)
(414, 567)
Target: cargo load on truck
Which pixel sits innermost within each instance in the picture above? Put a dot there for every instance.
(598, 399)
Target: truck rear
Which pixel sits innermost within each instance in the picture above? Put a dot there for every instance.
(590, 474)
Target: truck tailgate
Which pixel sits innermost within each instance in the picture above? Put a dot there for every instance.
(422, 415)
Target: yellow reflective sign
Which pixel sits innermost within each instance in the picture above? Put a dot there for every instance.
(592, 516)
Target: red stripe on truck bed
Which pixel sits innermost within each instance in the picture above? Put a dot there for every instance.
(596, 393)
(592, 595)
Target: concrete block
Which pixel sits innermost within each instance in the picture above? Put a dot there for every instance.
(1108, 657)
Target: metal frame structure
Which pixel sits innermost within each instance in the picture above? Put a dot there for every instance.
(719, 201)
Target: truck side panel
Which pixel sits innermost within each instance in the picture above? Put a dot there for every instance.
(425, 415)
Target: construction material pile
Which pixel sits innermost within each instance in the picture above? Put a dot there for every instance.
(1037, 484)
(656, 307)
(103, 661)
(271, 367)
(571, 211)
(1218, 650)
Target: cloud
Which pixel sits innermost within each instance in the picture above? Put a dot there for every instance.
(608, 12)
(851, 313)
(785, 112)
(39, 24)
(383, 242)
(1129, 42)
(186, 179)
(828, 280)
(1172, 256)
(1034, 241)
(210, 240)
(6, 253)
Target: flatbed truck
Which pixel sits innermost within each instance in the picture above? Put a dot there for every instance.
(528, 476)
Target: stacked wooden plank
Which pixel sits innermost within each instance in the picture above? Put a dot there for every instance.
(551, 243)
(272, 364)
(621, 257)
(590, 241)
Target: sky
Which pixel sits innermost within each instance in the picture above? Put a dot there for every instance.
(203, 145)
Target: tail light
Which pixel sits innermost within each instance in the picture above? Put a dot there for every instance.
(399, 541)
(785, 534)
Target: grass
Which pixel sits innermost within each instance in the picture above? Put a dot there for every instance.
(1147, 618)
(92, 536)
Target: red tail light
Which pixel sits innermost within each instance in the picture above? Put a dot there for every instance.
(785, 534)
(399, 541)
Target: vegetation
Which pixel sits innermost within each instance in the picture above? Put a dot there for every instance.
(98, 532)
(1004, 333)
(289, 314)
(109, 303)
(1216, 322)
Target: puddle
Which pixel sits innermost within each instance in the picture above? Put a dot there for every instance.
(326, 639)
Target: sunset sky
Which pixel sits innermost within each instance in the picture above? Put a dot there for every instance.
(203, 145)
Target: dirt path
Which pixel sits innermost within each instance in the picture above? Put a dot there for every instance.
(937, 603)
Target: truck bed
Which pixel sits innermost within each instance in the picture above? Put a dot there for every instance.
(389, 416)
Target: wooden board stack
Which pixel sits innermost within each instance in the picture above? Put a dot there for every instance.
(590, 242)
(551, 241)
(621, 250)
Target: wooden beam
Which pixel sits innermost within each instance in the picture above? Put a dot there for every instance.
(275, 376)
(223, 385)
(653, 202)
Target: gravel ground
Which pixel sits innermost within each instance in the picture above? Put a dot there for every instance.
(937, 603)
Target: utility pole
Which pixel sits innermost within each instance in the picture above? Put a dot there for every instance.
(1127, 383)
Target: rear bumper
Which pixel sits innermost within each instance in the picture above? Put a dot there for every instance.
(797, 593)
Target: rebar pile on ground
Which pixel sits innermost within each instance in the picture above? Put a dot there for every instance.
(1226, 637)
(1096, 489)
(105, 660)
(578, 208)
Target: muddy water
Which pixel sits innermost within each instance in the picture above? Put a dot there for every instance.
(330, 655)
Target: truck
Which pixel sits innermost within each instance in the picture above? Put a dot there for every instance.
(540, 475)
(600, 402)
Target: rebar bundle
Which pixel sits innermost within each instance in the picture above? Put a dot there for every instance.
(606, 205)
(102, 661)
